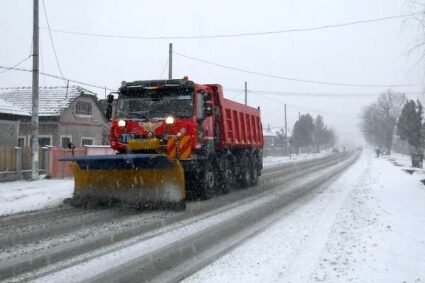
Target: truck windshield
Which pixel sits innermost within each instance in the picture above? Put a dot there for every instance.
(157, 103)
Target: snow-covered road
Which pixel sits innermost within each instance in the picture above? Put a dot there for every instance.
(55, 243)
(367, 226)
(23, 196)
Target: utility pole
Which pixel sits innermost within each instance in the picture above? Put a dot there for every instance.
(170, 61)
(299, 115)
(286, 125)
(287, 145)
(34, 118)
(246, 93)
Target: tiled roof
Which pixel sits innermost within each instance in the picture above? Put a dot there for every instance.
(9, 108)
(52, 100)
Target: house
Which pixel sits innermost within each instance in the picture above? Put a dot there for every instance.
(9, 114)
(274, 143)
(66, 114)
(270, 137)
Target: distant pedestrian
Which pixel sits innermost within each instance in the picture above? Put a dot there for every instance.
(378, 152)
(71, 145)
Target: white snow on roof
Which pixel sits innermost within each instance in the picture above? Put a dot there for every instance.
(52, 100)
(9, 108)
(269, 133)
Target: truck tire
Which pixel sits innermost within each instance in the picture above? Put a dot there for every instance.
(245, 170)
(254, 170)
(227, 176)
(207, 181)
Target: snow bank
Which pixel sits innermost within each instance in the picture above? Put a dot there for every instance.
(271, 161)
(23, 196)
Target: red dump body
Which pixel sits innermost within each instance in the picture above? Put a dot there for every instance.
(240, 125)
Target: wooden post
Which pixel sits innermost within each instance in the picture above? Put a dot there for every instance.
(18, 152)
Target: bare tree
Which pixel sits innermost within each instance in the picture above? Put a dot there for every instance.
(416, 8)
(379, 119)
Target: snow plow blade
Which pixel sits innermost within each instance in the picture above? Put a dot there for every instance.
(134, 180)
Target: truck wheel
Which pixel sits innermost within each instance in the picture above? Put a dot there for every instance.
(208, 181)
(254, 171)
(245, 172)
(227, 178)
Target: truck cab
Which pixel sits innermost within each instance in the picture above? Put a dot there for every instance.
(153, 116)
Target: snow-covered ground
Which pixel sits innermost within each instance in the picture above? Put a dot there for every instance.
(23, 196)
(367, 226)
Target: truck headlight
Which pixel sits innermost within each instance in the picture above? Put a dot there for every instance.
(121, 123)
(169, 120)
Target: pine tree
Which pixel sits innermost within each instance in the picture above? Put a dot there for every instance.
(319, 133)
(411, 129)
(302, 134)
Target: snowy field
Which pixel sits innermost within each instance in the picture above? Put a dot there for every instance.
(367, 226)
(23, 196)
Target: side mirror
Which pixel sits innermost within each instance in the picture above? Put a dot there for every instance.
(208, 109)
(110, 98)
(108, 112)
(208, 96)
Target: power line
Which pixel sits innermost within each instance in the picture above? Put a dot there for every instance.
(59, 78)
(51, 41)
(290, 78)
(246, 34)
(42, 63)
(310, 109)
(14, 66)
(313, 94)
(163, 70)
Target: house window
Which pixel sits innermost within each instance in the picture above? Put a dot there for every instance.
(44, 140)
(21, 141)
(87, 141)
(65, 140)
(83, 108)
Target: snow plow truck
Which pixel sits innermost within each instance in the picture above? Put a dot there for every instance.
(174, 139)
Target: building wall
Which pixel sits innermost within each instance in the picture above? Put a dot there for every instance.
(8, 133)
(46, 129)
(77, 126)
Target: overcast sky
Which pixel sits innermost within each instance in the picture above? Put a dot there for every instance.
(371, 53)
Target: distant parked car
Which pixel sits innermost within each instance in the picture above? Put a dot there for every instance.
(335, 149)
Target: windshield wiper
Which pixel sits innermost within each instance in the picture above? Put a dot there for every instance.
(139, 114)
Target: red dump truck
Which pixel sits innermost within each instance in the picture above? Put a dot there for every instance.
(174, 139)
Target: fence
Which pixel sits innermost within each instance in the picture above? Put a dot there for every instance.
(15, 162)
